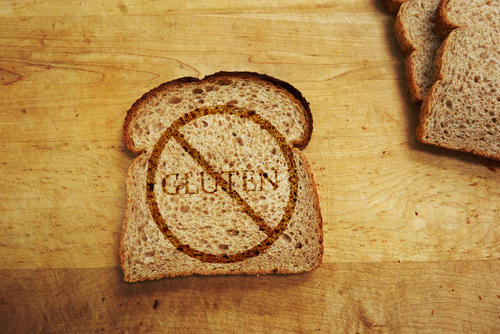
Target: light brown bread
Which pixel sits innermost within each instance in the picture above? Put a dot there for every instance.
(415, 32)
(453, 14)
(462, 109)
(219, 186)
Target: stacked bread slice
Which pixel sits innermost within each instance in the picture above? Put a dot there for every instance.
(416, 35)
(462, 109)
(461, 103)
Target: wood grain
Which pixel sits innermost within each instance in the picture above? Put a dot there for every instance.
(425, 297)
(412, 239)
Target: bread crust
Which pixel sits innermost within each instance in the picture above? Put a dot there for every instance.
(410, 80)
(415, 36)
(405, 42)
(425, 112)
(393, 5)
(425, 109)
(293, 93)
(444, 26)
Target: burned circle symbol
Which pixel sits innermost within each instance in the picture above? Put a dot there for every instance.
(173, 133)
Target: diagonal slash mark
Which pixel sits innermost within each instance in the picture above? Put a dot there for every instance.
(153, 165)
(195, 154)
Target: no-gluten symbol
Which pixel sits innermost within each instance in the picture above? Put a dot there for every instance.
(173, 132)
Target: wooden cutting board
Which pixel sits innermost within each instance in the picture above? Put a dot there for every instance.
(412, 235)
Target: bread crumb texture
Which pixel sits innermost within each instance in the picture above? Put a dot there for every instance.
(417, 18)
(197, 210)
(159, 110)
(459, 13)
(462, 109)
(416, 35)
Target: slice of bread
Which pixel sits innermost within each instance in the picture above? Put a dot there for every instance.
(220, 186)
(453, 14)
(415, 32)
(393, 5)
(462, 109)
